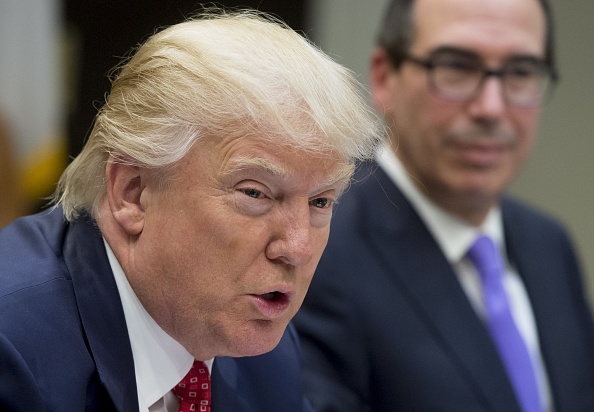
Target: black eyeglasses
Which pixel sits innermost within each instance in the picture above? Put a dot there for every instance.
(460, 77)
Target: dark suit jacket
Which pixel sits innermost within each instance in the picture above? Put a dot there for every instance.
(386, 325)
(64, 344)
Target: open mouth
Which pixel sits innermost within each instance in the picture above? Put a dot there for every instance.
(273, 296)
(272, 304)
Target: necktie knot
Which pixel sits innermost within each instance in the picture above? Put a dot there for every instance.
(193, 391)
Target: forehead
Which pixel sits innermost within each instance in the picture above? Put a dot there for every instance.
(491, 28)
(257, 153)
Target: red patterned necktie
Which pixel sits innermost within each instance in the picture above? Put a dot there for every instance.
(194, 389)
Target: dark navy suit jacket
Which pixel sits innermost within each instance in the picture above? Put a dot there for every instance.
(64, 344)
(386, 325)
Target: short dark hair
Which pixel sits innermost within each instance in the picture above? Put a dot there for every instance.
(396, 32)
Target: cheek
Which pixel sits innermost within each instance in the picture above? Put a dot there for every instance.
(319, 242)
(519, 156)
(526, 124)
(421, 139)
(191, 245)
(419, 117)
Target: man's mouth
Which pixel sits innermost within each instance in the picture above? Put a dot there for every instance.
(273, 296)
(272, 305)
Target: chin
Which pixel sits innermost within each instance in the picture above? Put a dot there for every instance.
(258, 340)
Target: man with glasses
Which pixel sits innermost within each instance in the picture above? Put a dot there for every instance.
(437, 292)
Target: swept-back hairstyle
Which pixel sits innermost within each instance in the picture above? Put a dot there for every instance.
(210, 76)
(396, 32)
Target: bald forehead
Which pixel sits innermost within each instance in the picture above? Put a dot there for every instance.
(511, 21)
(423, 10)
(423, 7)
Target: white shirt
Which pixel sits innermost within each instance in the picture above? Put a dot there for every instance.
(454, 237)
(160, 362)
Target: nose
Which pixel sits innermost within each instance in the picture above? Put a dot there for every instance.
(490, 103)
(291, 243)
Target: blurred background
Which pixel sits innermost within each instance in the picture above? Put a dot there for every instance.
(55, 56)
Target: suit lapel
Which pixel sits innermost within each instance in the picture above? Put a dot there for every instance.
(101, 312)
(545, 269)
(225, 394)
(414, 260)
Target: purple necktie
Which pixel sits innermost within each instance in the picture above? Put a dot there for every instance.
(512, 348)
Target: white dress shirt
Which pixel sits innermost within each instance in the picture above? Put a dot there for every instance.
(455, 237)
(160, 362)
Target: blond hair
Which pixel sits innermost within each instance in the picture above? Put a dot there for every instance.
(208, 75)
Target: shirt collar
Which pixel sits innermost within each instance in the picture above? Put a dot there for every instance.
(453, 235)
(160, 362)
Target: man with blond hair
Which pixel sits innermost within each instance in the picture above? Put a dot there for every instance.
(186, 233)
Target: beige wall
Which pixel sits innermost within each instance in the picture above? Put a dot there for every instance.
(559, 176)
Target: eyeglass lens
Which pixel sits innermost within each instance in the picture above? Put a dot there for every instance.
(460, 76)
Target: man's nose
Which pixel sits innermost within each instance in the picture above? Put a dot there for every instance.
(489, 103)
(292, 242)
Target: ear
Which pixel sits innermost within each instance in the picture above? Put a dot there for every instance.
(124, 188)
(380, 80)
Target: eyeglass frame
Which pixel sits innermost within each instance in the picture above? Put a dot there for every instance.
(429, 65)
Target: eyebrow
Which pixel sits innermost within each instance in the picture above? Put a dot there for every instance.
(343, 174)
(453, 50)
(467, 53)
(245, 162)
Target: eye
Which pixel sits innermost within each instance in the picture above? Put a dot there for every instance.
(456, 62)
(256, 194)
(252, 198)
(460, 65)
(320, 202)
(523, 70)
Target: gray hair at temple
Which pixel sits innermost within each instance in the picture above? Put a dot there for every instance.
(213, 75)
(396, 31)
